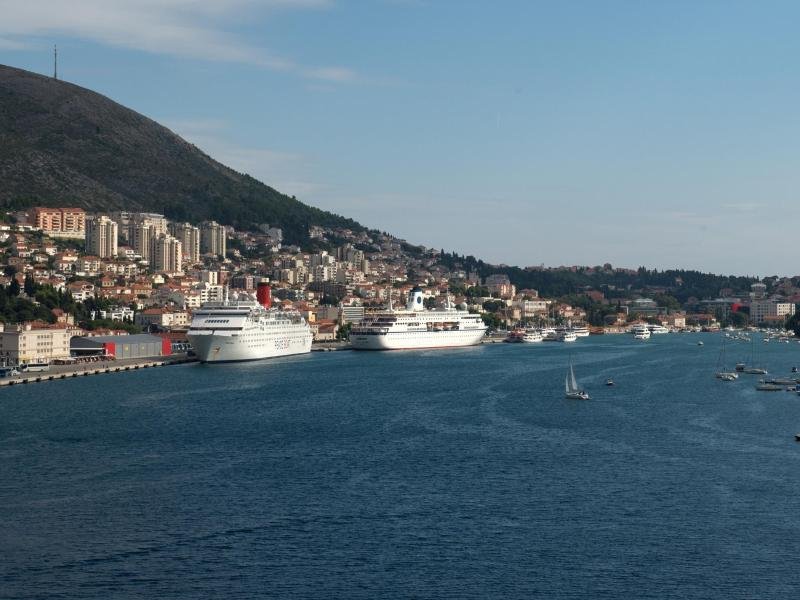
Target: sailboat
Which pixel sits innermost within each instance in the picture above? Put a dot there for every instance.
(754, 370)
(572, 391)
(722, 373)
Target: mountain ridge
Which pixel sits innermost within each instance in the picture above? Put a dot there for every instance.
(62, 144)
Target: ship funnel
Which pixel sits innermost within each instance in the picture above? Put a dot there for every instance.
(264, 294)
(415, 298)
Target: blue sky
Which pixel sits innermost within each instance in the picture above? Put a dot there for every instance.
(648, 133)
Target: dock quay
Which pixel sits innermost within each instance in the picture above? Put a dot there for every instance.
(330, 346)
(86, 369)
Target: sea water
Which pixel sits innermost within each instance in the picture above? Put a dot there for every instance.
(419, 474)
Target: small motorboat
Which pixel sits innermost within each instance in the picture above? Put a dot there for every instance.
(794, 369)
(700, 343)
(610, 382)
(797, 437)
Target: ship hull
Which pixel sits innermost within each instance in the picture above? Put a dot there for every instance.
(402, 340)
(212, 347)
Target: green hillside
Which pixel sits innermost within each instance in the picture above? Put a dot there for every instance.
(61, 144)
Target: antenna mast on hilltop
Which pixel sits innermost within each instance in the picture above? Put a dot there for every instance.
(55, 62)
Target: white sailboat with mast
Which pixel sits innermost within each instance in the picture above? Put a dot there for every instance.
(752, 370)
(723, 373)
(572, 391)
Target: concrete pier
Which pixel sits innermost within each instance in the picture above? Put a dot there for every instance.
(86, 369)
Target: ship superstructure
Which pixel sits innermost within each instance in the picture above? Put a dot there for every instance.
(417, 327)
(244, 328)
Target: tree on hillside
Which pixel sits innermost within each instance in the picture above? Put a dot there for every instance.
(30, 286)
(738, 319)
(477, 291)
(667, 301)
(491, 320)
(493, 305)
(793, 322)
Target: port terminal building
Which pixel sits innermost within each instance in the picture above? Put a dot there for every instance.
(122, 346)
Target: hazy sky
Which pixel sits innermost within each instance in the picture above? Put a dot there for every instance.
(664, 134)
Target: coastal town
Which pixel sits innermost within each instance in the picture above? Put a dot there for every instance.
(124, 285)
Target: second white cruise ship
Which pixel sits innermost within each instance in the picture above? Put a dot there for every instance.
(247, 329)
(416, 327)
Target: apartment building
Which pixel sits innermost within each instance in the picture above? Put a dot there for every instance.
(101, 237)
(140, 236)
(770, 311)
(162, 317)
(166, 254)
(60, 222)
(212, 238)
(189, 237)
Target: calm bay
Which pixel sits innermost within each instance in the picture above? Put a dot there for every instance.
(442, 474)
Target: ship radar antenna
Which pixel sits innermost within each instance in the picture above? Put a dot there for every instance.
(55, 62)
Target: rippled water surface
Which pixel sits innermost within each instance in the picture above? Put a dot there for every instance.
(440, 474)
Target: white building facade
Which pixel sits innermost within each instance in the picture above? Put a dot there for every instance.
(22, 343)
(101, 237)
(765, 311)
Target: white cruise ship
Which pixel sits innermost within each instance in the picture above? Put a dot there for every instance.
(416, 327)
(247, 329)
